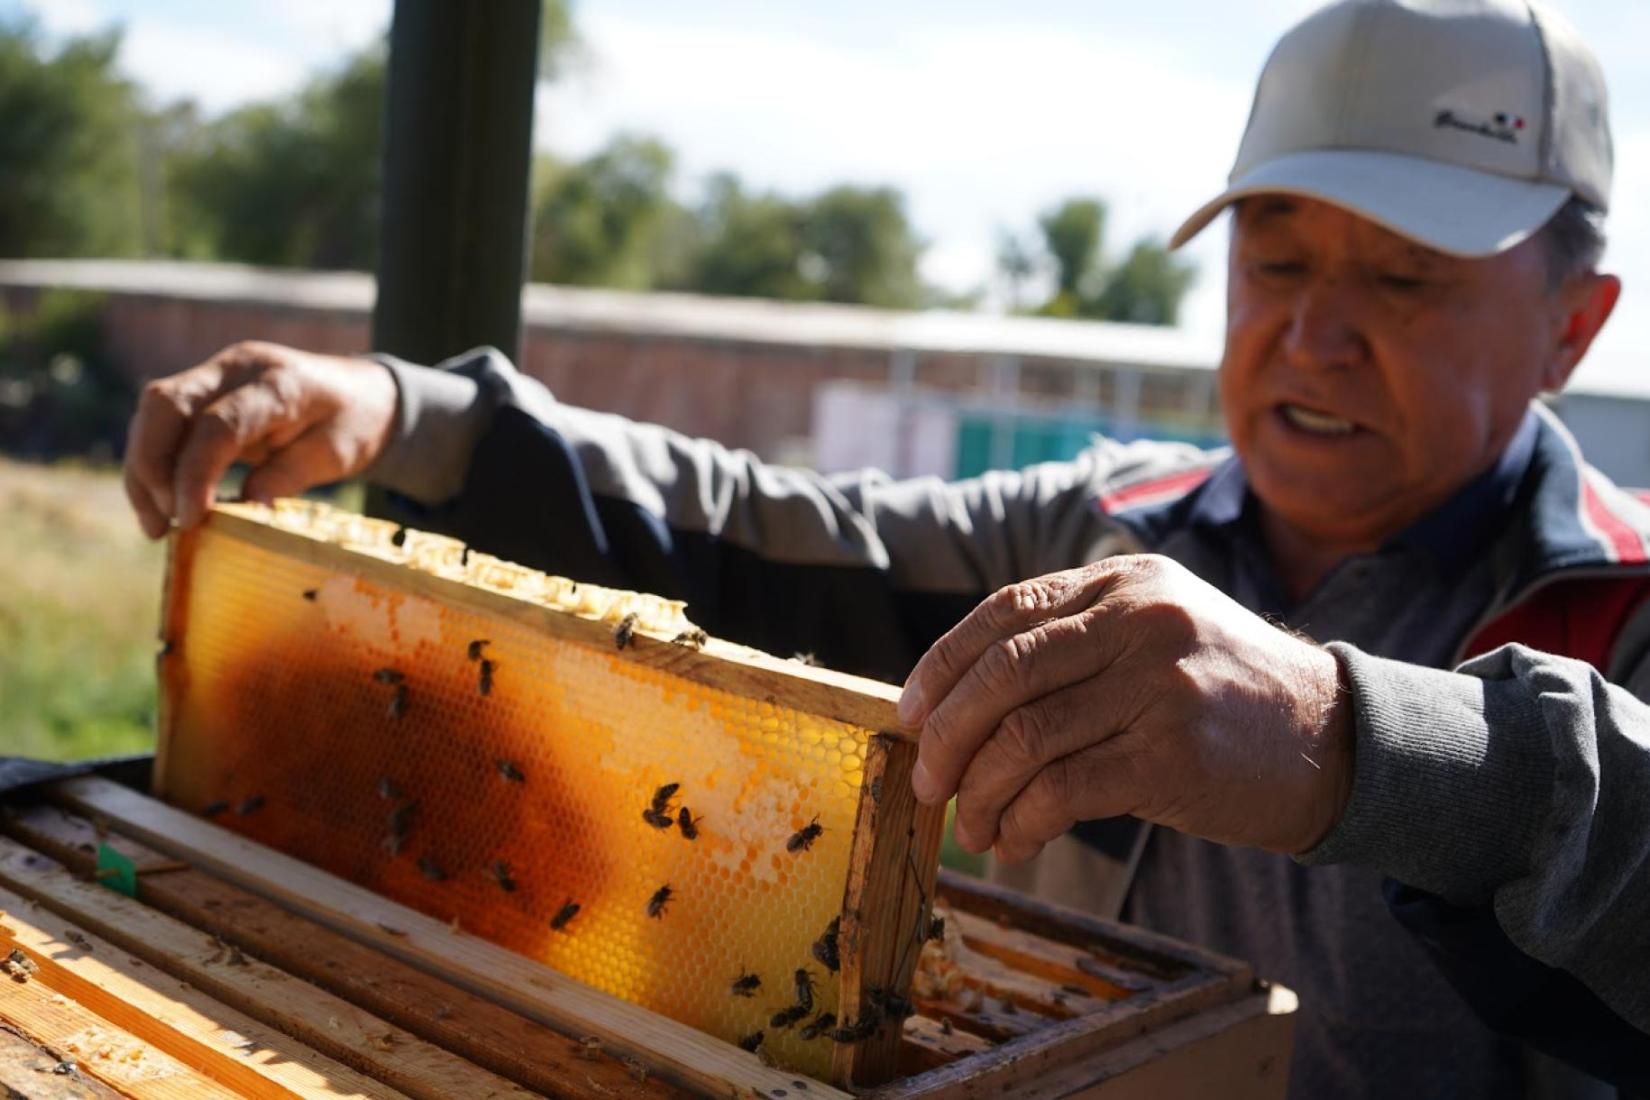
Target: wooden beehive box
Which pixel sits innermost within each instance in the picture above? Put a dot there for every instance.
(236, 971)
(389, 771)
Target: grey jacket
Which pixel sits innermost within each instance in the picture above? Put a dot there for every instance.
(1515, 784)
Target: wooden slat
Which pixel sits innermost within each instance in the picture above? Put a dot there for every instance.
(475, 1028)
(1127, 947)
(1057, 963)
(1007, 1066)
(204, 1034)
(747, 672)
(329, 1024)
(1238, 1051)
(886, 903)
(928, 1045)
(670, 1049)
(99, 1054)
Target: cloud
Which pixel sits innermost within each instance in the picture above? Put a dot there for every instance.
(217, 69)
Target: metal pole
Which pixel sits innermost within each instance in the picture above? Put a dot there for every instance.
(458, 136)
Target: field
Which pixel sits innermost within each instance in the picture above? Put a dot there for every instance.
(77, 615)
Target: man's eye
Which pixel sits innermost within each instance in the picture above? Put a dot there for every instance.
(1403, 284)
(1279, 269)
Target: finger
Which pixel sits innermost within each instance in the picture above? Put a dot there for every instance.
(1029, 739)
(1004, 613)
(302, 464)
(1010, 673)
(159, 425)
(225, 430)
(1105, 780)
(149, 517)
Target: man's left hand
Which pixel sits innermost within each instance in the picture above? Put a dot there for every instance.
(1129, 686)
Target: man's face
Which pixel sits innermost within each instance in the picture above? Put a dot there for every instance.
(1366, 377)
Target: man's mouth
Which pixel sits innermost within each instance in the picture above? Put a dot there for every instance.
(1318, 423)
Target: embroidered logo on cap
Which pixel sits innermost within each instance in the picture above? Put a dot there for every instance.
(1502, 127)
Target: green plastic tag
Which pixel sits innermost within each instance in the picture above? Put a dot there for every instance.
(116, 871)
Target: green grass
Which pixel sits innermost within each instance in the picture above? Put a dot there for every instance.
(78, 615)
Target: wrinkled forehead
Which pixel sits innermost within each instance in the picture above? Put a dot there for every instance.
(1293, 217)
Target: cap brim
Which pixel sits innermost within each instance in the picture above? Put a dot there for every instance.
(1457, 210)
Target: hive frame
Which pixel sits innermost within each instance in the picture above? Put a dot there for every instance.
(894, 853)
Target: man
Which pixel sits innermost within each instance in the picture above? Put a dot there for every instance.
(1414, 236)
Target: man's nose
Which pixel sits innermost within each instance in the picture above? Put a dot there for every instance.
(1325, 328)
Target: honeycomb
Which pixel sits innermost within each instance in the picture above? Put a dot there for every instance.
(485, 772)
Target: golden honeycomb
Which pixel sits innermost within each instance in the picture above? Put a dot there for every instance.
(342, 719)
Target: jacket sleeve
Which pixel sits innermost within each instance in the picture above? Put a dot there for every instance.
(860, 570)
(1509, 801)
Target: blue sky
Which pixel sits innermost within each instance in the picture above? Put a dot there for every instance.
(981, 112)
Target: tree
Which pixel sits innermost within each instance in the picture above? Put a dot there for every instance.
(866, 250)
(292, 183)
(69, 181)
(605, 221)
(1146, 288)
(750, 245)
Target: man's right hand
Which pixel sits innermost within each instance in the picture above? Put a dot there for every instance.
(300, 419)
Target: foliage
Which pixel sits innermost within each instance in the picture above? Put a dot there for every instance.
(69, 163)
(59, 392)
(295, 183)
(1146, 288)
(602, 221)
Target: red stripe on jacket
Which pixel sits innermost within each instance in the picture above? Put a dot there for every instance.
(1623, 540)
(1155, 490)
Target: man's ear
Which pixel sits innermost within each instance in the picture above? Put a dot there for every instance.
(1585, 303)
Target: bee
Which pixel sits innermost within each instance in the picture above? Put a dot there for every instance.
(637, 1071)
(626, 630)
(657, 820)
(892, 1003)
(804, 838)
(509, 771)
(857, 1032)
(213, 809)
(785, 1017)
(688, 824)
(431, 870)
(250, 805)
(805, 659)
(656, 904)
(398, 702)
(693, 639)
(311, 593)
(662, 796)
(567, 912)
(485, 684)
(388, 676)
(399, 820)
(746, 984)
(819, 1025)
(501, 875)
(945, 1026)
(387, 789)
(825, 949)
(590, 1048)
(751, 1042)
(475, 648)
(804, 990)
(936, 928)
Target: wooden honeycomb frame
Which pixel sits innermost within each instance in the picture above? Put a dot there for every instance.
(890, 853)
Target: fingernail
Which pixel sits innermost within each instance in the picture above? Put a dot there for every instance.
(922, 783)
(910, 706)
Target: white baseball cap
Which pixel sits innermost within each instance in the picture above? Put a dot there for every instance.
(1462, 124)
